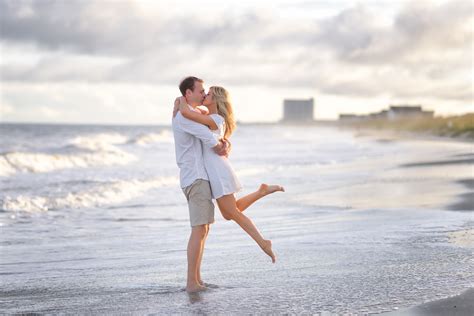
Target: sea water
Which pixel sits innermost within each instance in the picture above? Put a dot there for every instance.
(93, 220)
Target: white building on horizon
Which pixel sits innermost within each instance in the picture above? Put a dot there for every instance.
(298, 110)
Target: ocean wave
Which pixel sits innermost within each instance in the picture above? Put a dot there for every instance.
(165, 136)
(11, 163)
(100, 195)
(108, 141)
(6, 169)
(100, 142)
(80, 152)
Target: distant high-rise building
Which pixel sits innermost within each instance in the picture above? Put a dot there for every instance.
(298, 110)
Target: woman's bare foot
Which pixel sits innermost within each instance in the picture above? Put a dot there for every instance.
(266, 189)
(267, 247)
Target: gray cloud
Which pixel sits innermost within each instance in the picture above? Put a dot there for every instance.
(84, 26)
(351, 53)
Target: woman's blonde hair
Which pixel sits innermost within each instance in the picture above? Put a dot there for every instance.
(224, 109)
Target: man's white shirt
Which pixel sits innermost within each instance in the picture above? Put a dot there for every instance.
(189, 137)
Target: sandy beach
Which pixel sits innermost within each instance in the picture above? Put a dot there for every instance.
(458, 305)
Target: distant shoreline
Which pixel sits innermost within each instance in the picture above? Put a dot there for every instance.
(461, 304)
(457, 127)
(452, 127)
(391, 134)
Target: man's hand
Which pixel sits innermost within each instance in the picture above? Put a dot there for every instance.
(223, 148)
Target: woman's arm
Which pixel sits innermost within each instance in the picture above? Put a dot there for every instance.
(195, 116)
(202, 109)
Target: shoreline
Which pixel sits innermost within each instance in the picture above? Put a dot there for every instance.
(391, 135)
(459, 305)
(458, 127)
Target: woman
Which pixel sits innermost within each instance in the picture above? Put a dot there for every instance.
(224, 182)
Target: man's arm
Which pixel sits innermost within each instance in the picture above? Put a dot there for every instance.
(200, 131)
(223, 149)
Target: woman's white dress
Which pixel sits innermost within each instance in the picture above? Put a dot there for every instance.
(219, 170)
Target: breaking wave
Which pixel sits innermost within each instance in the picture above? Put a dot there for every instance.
(99, 195)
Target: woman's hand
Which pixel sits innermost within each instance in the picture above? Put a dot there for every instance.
(183, 105)
(176, 107)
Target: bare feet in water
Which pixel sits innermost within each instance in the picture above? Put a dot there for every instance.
(208, 285)
(266, 189)
(267, 247)
(195, 288)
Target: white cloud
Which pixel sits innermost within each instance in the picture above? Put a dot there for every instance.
(416, 51)
(5, 109)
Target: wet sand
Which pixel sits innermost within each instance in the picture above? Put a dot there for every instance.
(463, 238)
(465, 200)
(459, 305)
(440, 163)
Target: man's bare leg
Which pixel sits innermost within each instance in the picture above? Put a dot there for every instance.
(200, 257)
(244, 202)
(194, 251)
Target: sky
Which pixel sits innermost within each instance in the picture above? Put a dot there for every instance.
(121, 61)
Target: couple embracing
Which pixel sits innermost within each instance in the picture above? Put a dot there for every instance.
(201, 136)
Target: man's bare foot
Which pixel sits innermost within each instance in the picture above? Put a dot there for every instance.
(195, 288)
(266, 189)
(267, 247)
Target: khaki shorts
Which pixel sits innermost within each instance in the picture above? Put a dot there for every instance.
(201, 208)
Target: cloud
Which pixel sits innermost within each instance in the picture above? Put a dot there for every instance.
(424, 50)
(83, 26)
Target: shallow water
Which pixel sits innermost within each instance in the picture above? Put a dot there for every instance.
(356, 230)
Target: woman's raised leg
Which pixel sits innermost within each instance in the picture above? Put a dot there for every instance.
(244, 202)
(229, 210)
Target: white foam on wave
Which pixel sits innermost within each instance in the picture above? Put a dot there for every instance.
(164, 136)
(100, 142)
(6, 169)
(11, 163)
(99, 195)
(101, 147)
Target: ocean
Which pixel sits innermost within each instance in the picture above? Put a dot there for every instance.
(93, 220)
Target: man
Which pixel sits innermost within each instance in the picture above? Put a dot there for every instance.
(189, 137)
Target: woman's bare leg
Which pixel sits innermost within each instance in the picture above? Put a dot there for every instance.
(244, 202)
(228, 207)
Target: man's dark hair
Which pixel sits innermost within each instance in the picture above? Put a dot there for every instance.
(188, 83)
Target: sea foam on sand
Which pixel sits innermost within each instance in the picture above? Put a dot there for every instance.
(463, 238)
